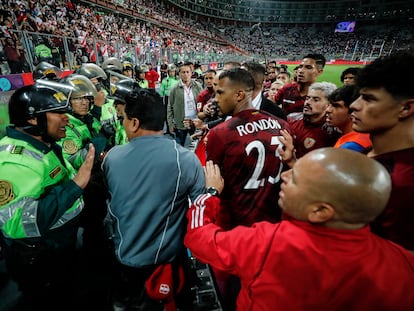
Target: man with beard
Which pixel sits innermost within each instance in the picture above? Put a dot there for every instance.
(311, 131)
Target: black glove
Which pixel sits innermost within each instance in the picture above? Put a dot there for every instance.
(107, 130)
(99, 143)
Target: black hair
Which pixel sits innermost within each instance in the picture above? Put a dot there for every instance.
(348, 94)
(351, 70)
(320, 60)
(392, 72)
(146, 105)
(257, 71)
(239, 76)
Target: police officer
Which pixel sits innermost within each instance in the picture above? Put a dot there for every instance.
(40, 197)
(166, 86)
(103, 108)
(43, 52)
(120, 91)
(47, 71)
(128, 69)
(141, 70)
(83, 128)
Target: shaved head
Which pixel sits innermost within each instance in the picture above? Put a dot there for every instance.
(356, 186)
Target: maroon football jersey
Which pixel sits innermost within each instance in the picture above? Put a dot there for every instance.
(290, 99)
(311, 136)
(245, 148)
(396, 223)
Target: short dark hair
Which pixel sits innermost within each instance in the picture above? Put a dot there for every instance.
(351, 70)
(258, 72)
(239, 76)
(319, 59)
(392, 72)
(146, 105)
(348, 94)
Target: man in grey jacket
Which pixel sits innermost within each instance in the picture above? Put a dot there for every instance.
(182, 104)
(151, 180)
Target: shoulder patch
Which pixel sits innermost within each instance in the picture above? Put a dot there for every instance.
(70, 147)
(6, 192)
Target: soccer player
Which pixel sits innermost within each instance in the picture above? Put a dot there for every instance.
(246, 148)
(385, 110)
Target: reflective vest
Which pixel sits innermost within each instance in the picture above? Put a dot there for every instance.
(120, 135)
(78, 135)
(26, 174)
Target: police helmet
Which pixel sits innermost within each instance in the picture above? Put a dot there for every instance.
(142, 69)
(122, 89)
(112, 63)
(45, 70)
(34, 101)
(127, 66)
(91, 71)
(82, 86)
(171, 67)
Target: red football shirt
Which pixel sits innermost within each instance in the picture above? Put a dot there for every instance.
(396, 223)
(245, 147)
(311, 136)
(290, 99)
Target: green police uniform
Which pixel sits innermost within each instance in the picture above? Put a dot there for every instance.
(120, 135)
(79, 134)
(167, 84)
(107, 117)
(143, 83)
(38, 199)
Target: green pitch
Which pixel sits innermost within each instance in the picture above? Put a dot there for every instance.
(331, 73)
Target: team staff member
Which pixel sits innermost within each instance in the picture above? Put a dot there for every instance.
(41, 197)
(322, 256)
(149, 224)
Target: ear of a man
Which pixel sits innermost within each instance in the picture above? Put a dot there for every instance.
(320, 213)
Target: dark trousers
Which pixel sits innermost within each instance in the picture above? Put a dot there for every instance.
(44, 276)
(181, 135)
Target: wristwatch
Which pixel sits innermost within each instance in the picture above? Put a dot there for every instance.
(213, 191)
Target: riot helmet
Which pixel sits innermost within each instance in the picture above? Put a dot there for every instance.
(83, 88)
(34, 101)
(92, 71)
(45, 70)
(122, 89)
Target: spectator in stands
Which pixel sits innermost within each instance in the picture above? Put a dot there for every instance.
(385, 110)
(349, 75)
(182, 104)
(311, 131)
(13, 53)
(292, 96)
(151, 76)
(338, 115)
(322, 248)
